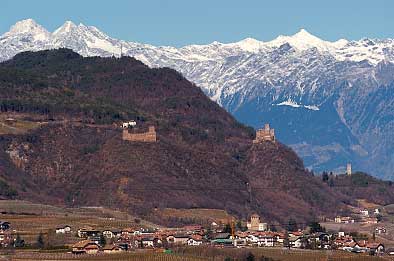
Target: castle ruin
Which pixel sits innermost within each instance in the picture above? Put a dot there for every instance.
(149, 136)
(266, 134)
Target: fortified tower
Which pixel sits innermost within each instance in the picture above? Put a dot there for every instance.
(266, 134)
(349, 169)
(254, 222)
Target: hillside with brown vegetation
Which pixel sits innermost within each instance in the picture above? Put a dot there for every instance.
(74, 155)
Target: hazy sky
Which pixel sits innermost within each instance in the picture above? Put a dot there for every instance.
(181, 22)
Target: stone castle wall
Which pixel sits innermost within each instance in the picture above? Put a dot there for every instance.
(149, 136)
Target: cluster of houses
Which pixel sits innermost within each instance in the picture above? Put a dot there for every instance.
(195, 235)
(364, 216)
(257, 235)
(126, 239)
(347, 243)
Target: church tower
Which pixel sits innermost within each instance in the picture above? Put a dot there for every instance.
(349, 169)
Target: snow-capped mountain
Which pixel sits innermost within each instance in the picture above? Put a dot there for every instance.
(331, 101)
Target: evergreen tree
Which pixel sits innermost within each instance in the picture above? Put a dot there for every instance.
(250, 257)
(292, 225)
(208, 233)
(273, 228)
(103, 240)
(286, 241)
(324, 176)
(19, 242)
(315, 227)
(40, 241)
(227, 229)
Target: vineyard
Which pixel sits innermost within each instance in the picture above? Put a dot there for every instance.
(191, 254)
(29, 219)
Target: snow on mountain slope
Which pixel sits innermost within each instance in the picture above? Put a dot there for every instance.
(328, 100)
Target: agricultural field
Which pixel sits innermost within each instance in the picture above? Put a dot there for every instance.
(29, 220)
(197, 216)
(197, 254)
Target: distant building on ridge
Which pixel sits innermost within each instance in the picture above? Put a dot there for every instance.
(266, 134)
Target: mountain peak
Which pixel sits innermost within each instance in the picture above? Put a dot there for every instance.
(24, 26)
(30, 27)
(301, 40)
(304, 35)
(68, 26)
(250, 44)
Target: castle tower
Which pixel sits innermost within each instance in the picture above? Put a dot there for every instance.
(254, 222)
(265, 134)
(349, 169)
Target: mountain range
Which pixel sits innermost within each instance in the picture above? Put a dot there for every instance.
(332, 102)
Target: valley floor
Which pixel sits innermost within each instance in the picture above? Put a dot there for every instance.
(217, 255)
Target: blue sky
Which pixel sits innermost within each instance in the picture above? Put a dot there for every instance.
(181, 22)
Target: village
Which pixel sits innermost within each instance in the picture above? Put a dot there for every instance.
(253, 234)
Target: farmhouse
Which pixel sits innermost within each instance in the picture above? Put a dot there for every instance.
(85, 246)
(63, 230)
(129, 124)
(86, 232)
(344, 220)
(109, 249)
(296, 242)
(194, 240)
(375, 248)
(108, 233)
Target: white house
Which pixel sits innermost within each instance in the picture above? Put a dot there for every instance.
(253, 239)
(266, 241)
(181, 239)
(130, 124)
(63, 230)
(364, 212)
(108, 234)
(194, 240)
(148, 241)
(295, 242)
(344, 220)
(380, 230)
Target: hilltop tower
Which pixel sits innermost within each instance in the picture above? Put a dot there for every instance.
(265, 134)
(254, 222)
(349, 169)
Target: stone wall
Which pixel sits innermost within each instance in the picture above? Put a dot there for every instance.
(149, 136)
